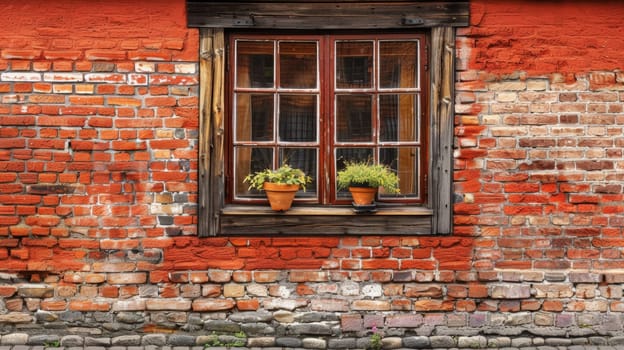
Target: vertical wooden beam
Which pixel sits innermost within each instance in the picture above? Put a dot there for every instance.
(211, 129)
(442, 90)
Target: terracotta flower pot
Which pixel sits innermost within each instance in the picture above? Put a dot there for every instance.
(280, 195)
(363, 195)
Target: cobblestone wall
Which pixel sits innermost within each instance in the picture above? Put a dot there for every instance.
(98, 197)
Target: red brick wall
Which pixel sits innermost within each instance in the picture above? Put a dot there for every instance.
(98, 189)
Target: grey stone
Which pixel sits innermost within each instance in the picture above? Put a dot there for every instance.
(103, 317)
(14, 339)
(181, 340)
(126, 340)
(504, 331)
(558, 341)
(314, 343)
(554, 276)
(221, 326)
(43, 339)
(154, 339)
(130, 317)
(251, 317)
(71, 316)
(598, 340)
(261, 342)
(288, 342)
(311, 328)
(499, 342)
(442, 341)
(257, 329)
(473, 342)
(416, 342)
(72, 340)
(91, 341)
(547, 332)
(616, 340)
(521, 342)
(342, 343)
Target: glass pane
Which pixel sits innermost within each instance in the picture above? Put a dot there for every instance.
(404, 161)
(297, 65)
(398, 117)
(398, 64)
(305, 159)
(344, 155)
(354, 118)
(297, 118)
(254, 117)
(249, 160)
(354, 64)
(254, 64)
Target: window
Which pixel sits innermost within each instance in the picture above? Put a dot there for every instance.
(316, 102)
(319, 98)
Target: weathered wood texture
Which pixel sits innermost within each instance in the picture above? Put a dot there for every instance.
(314, 220)
(442, 82)
(211, 147)
(327, 15)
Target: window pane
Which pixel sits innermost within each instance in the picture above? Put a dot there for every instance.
(297, 118)
(404, 161)
(254, 117)
(354, 118)
(254, 64)
(398, 117)
(354, 65)
(249, 160)
(305, 159)
(297, 65)
(344, 155)
(398, 64)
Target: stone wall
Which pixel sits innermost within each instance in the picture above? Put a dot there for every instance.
(98, 196)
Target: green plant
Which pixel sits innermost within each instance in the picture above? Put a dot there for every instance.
(239, 339)
(52, 344)
(366, 174)
(285, 174)
(375, 339)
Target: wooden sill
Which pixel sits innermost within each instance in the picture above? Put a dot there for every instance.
(301, 219)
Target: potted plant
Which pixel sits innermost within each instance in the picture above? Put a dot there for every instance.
(363, 179)
(280, 185)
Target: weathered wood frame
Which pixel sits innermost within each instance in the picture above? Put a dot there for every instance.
(217, 218)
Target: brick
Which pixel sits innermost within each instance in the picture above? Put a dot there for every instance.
(370, 305)
(88, 305)
(127, 278)
(168, 304)
(211, 305)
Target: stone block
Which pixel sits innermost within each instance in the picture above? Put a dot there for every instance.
(514, 291)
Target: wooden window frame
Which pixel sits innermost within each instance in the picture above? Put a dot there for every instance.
(217, 218)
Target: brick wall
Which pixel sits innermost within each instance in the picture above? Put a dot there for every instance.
(98, 194)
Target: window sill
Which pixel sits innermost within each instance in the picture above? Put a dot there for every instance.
(306, 220)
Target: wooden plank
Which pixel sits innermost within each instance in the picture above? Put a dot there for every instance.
(211, 129)
(205, 101)
(327, 15)
(394, 210)
(323, 224)
(442, 83)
